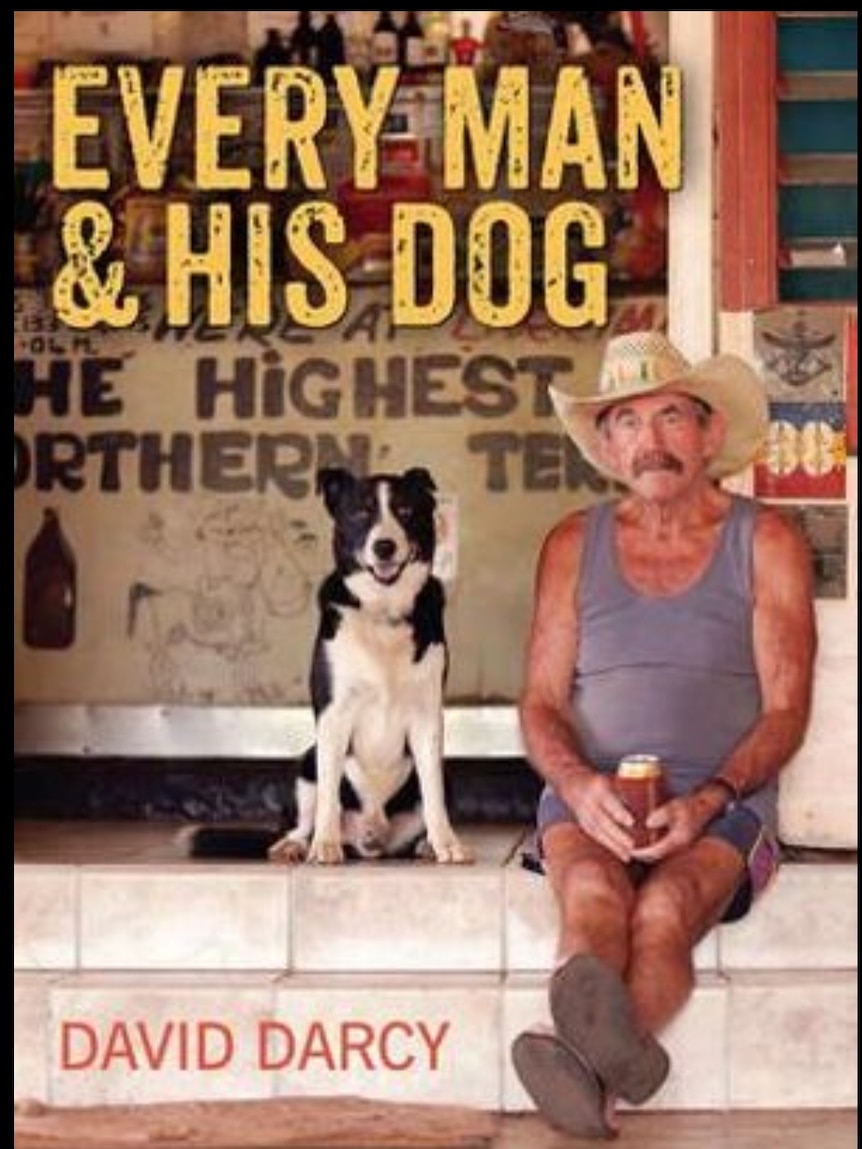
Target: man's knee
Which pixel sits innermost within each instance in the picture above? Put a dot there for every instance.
(592, 883)
(666, 907)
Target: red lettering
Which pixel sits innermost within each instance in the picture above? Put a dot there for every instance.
(119, 1047)
(385, 1055)
(276, 1045)
(432, 1043)
(215, 1045)
(356, 1044)
(73, 1034)
(316, 1045)
(154, 1053)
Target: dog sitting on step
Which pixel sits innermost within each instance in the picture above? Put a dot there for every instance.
(373, 782)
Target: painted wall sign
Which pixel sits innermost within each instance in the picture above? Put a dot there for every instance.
(181, 466)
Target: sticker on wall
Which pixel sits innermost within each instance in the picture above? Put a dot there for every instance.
(446, 550)
(825, 528)
(805, 454)
(801, 353)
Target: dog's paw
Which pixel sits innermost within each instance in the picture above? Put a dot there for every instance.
(288, 851)
(449, 851)
(326, 852)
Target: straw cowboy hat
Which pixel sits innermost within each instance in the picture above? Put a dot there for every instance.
(645, 362)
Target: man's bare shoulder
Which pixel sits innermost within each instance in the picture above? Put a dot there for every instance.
(567, 535)
(778, 539)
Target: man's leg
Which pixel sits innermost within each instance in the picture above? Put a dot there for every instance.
(682, 898)
(594, 893)
(589, 1000)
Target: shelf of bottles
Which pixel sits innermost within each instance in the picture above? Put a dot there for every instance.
(410, 152)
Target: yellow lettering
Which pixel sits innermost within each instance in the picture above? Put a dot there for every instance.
(365, 119)
(662, 136)
(464, 121)
(514, 221)
(212, 126)
(593, 276)
(259, 302)
(86, 294)
(214, 264)
(573, 134)
(284, 134)
(70, 126)
(407, 219)
(333, 289)
(150, 149)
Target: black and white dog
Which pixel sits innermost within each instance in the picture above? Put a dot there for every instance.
(373, 783)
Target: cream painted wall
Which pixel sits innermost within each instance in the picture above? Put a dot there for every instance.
(819, 789)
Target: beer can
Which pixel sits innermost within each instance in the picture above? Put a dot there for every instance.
(639, 782)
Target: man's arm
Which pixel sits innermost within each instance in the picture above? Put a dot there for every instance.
(785, 643)
(545, 708)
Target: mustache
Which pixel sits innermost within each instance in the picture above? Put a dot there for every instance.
(656, 461)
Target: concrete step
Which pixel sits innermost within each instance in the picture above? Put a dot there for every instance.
(149, 910)
(396, 981)
(746, 1040)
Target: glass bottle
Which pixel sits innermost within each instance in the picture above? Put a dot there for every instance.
(50, 587)
(272, 53)
(384, 41)
(303, 42)
(436, 25)
(330, 47)
(411, 43)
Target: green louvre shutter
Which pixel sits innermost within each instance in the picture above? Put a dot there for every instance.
(817, 132)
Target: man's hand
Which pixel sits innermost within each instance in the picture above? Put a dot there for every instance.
(600, 812)
(682, 821)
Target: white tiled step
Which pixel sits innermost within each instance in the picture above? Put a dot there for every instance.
(745, 1041)
(763, 1040)
(493, 916)
(805, 920)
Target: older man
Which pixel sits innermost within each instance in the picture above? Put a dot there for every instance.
(675, 622)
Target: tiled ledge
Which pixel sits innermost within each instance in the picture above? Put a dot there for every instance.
(119, 907)
(765, 1040)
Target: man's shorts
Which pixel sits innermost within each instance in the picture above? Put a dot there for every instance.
(738, 826)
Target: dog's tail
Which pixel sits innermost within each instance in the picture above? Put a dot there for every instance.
(240, 842)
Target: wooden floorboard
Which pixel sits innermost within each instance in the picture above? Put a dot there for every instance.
(796, 1129)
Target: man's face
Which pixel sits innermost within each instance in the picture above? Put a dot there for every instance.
(660, 444)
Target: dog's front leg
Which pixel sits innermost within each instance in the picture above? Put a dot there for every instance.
(426, 743)
(333, 737)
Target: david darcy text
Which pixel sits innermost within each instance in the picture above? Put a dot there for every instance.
(336, 1047)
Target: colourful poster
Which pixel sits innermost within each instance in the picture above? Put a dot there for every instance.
(805, 454)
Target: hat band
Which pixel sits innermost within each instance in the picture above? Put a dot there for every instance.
(644, 370)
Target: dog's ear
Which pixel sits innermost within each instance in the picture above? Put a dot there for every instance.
(421, 478)
(332, 482)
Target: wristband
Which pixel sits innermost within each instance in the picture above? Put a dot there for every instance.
(731, 793)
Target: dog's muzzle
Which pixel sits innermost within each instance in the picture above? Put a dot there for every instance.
(388, 570)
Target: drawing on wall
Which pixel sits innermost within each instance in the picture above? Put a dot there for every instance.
(214, 604)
